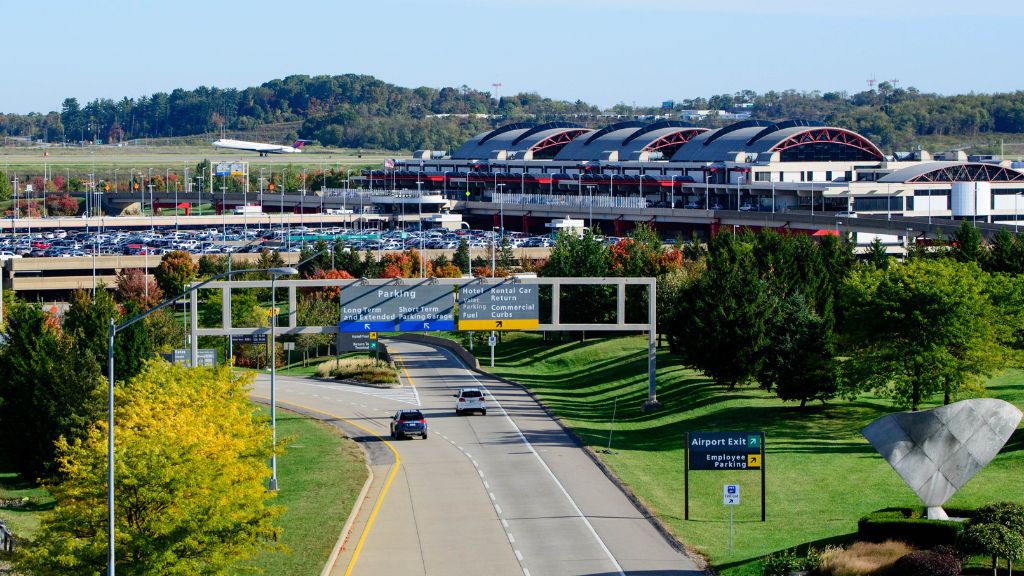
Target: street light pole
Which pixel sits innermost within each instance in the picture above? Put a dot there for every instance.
(274, 273)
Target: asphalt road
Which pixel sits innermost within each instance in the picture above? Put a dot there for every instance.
(506, 493)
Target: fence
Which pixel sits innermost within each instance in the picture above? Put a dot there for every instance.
(571, 201)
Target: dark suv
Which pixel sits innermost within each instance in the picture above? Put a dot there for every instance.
(408, 423)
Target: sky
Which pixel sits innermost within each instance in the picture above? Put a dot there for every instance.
(600, 51)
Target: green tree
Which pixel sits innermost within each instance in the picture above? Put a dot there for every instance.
(877, 254)
(581, 255)
(49, 389)
(346, 259)
(967, 244)
(506, 257)
(920, 328)
(797, 359)
(87, 322)
(461, 256)
(190, 478)
(5, 187)
(721, 320)
(318, 256)
(1007, 253)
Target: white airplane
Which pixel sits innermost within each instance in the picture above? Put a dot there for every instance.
(263, 149)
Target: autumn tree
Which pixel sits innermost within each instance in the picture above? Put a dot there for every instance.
(134, 286)
(175, 272)
(190, 481)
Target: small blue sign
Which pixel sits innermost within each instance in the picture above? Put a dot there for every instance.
(357, 326)
(426, 325)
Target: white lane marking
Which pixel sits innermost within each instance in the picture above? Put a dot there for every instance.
(480, 472)
(544, 464)
(503, 521)
(519, 555)
(498, 510)
(526, 572)
(491, 494)
(487, 485)
(511, 538)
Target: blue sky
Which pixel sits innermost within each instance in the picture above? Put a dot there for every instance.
(598, 51)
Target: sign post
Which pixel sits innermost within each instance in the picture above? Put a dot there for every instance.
(731, 498)
(491, 341)
(723, 451)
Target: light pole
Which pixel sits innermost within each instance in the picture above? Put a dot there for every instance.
(707, 181)
(114, 330)
(151, 211)
(274, 273)
(672, 191)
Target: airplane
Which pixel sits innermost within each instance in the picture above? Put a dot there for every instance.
(263, 149)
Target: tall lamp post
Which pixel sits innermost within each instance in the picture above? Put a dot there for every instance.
(114, 330)
(274, 273)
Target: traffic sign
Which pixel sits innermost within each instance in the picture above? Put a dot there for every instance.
(373, 335)
(491, 341)
(420, 307)
(731, 494)
(725, 450)
(355, 341)
(425, 325)
(505, 306)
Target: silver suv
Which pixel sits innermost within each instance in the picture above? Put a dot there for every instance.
(470, 400)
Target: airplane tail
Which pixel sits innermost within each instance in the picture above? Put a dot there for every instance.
(298, 144)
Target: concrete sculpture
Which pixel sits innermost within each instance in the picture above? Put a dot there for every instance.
(937, 451)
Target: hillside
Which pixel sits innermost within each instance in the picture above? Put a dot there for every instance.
(359, 111)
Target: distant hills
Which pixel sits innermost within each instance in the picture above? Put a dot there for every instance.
(358, 111)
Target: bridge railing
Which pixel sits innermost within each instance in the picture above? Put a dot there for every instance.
(570, 201)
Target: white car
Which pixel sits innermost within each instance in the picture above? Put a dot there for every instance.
(469, 400)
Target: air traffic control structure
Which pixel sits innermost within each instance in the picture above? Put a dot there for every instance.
(752, 165)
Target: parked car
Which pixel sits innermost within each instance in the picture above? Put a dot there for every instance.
(470, 400)
(408, 423)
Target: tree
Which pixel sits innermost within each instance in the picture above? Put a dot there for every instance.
(920, 328)
(877, 254)
(175, 272)
(134, 286)
(5, 187)
(576, 255)
(87, 322)
(190, 486)
(996, 529)
(1007, 253)
(50, 389)
(506, 258)
(967, 244)
(461, 256)
(721, 319)
(797, 357)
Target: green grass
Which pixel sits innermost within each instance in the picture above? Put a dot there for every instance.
(23, 520)
(320, 475)
(822, 475)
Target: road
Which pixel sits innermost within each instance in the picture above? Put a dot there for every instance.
(508, 493)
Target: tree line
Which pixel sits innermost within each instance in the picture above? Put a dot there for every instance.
(360, 111)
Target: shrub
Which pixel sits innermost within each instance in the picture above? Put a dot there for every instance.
(862, 558)
(927, 563)
(906, 525)
(780, 563)
(363, 369)
(993, 539)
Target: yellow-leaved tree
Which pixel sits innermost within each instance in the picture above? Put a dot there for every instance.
(191, 465)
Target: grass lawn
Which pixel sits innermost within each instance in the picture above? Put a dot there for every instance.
(320, 475)
(822, 475)
(22, 519)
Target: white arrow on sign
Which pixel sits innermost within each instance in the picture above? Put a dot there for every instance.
(426, 325)
(366, 326)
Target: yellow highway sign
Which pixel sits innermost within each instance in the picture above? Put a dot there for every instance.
(529, 324)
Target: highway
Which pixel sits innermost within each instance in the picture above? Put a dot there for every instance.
(508, 493)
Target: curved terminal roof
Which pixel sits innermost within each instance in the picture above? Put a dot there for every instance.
(792, 140)
(953, 172)
(629, 141)
(795, 141)
(524, 141)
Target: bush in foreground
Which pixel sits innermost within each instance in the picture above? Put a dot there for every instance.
(862, 558)
(928, 563)
(362, 369)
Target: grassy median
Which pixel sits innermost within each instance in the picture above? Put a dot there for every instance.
(822, 475)
(320, 475)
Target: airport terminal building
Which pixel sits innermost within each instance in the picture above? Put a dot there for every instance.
(752, 165)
